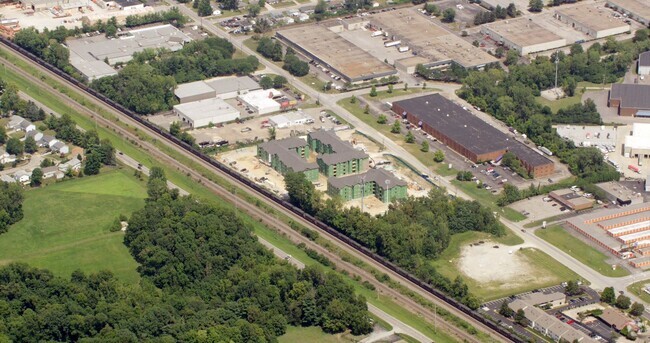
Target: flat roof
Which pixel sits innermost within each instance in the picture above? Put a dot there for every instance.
(260, 98)
(93, 69)
(631, 95)
(571, 197)
(192, 88)
(595, 17)
(640, 8)
(381, 177)
(204, 109)
(619, 190)
(640, 137)
(334, 50)
(428, 39)
(537, 298)
(283, 149)
(465, 128)
(522, 32)
(231, 84)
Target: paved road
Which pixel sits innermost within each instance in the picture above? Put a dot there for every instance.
(597, 280)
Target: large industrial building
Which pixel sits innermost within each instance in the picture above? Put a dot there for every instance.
(625, 232)
(634, 9)
(221, 87)
(335, 52)
(594, 21)
(205, 112)
(89, 54)
(378, 182)
(632, 100)
(468, 135)
(288, 155)
(644, 63)
(523, 35)
(429, 40)
(336, 157)
(637, 144)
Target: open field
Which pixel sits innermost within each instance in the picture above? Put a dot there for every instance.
(66, 226)
(488, 199)
(398, 91)
(555, 105)
(580, 250)
(524, 269)
(314, 334)
(637, 289)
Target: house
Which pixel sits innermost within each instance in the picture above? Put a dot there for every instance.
(60, 147)
(26, 126)
(47, 141)
(37, 135)
(5, 157)
(615, 319)
(52, 171)
(7, 178)
(14, 122)
(73, 165)
(22, 176)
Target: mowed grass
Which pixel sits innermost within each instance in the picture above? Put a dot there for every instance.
(550, 271)
(66, 226)
(488, 199)
(314, 334)
(580, 250)
(637, 289)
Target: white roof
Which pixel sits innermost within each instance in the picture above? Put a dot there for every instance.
(7, 178)
(224, 85)
(640, 138)
(261, 98)
(288, 117)
(204, 109)
(192, 88)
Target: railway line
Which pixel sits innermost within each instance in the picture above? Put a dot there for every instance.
(344, 243)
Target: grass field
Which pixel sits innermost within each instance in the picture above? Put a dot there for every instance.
(637, 289)
(314, 334)
(553, 271)
(555, 105)
(66, 226)
(580, 250)
(398, 90)
(488, 199)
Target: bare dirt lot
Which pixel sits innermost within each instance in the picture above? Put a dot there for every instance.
(480, 262)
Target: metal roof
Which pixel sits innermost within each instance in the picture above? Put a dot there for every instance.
(631, 95)
(232, 84)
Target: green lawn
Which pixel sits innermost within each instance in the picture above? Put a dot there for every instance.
(555, 105)
(314, 334)
(66, 226)
(637, 289)
(398, 90)
(580, 250)
(488, 199)
(550, 271)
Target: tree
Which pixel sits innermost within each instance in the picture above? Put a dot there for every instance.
(641, 35)
(272, 133)
(409, 137)
(266, 82)
(230, 4)
(520, 317)
(279, 81)
(390, 89)
(254, 10)
(382, 119)
(373, 91)
(353, 99)
(425, 146)
(438, 156)
(3, 135)
(535, 5)
(499, 52)
(93, 164)
(406, 87)
(505, 310)
(320, 10)
(572, 287)
(30, 145)
(448, 15)
(11, 204)
(623, 302)
(464, 175)
(512, 57)
(37, 177)
(262, 25)
(569, 86)
(295, 66)
(511, 10)
(366, 109)
(301, 192)
(637, 309)
(204, 9)
(46, 162)
(14, 146)
(500, 12)
(608, 295)
(396, 128)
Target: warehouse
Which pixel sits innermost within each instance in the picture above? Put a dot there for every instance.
(289, 119)
(232, 86)
(288, 155)
(632, 100)
(571, 199)
(523, 35)
(194, 91)
(205, 112)
(426, 39)
(466, 134)
(261, 101)
(637, 144)
(336, 53)
(594, 21)
(378, 182)
(644, 63)
(336, 157)
(634, 9)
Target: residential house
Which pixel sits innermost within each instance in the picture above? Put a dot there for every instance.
(73, 165)
(26, 126)
(14, 122)
(60, 148)
(37, 135)
(7, 178)
(47, 141)
(22, 176)
(6, 157)
(52, 171)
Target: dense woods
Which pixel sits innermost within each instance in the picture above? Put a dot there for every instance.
(11, 206)
(12, 104)
(205, 278)
(412, 232)
(146, 84)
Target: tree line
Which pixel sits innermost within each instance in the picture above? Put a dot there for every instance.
(411, 233)
(272, 49)
(204, 278)
(146, 84)
(11, 205)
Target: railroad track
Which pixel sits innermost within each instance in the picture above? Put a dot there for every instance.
(260, 214)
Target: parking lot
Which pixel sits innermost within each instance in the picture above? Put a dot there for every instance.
(602, 137)
(536, 208)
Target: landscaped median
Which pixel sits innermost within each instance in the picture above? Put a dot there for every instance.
(580, 250)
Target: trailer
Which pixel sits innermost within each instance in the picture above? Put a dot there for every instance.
(376, 34)
(546, 151)
(634, 168)
(403, 49)
(392, 43)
